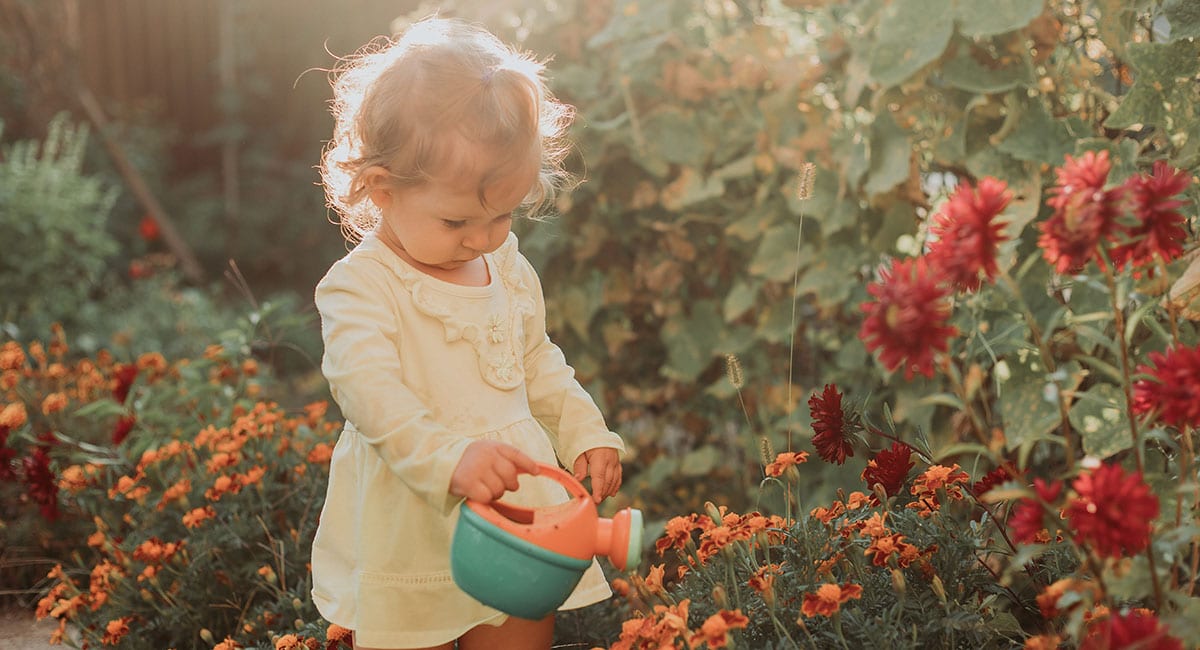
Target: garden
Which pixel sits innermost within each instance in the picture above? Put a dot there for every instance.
(894, 303)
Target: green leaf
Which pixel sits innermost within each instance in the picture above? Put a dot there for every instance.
(1099, 417)
(987, 17)
(969, 74)
(580, 302)
(776, 257)
(740, 299)
(1029, 401)
(891, 153)
(691, 340)
(1184, 18)
(675, 137)
(1163, 93)
(1037, 137)
(699, 462)
(911, 34)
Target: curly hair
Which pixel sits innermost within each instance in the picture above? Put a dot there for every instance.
(407, 104)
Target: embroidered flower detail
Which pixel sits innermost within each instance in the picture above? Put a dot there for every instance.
(495, 328)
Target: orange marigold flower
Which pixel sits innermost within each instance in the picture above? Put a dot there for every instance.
(828, 599)
(197, 516)
(715, 629)
(315, 411)
(825, 567)
(654, 579)
(175, 492)
(621, 587)
(152, 361)
(874, 525)
(320, 453)
(1048, 600)
(228, 644)
(858, 500)
(54, 403)
(763, 579)
(336, 634)
(223, 485)
(938, 477)
(12, 357)
(785, 460)
(116, 630)
(1043, 642)
(72, 479)
(252, 476)
(826, 515)
(883, 548)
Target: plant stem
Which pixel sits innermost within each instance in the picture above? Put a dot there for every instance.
(1051, 366)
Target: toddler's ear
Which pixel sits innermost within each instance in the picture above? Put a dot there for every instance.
(379, 189)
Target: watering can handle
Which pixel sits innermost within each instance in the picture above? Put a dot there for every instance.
(564, 478)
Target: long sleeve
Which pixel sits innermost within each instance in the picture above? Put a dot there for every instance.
(555, 397)
(363, 366)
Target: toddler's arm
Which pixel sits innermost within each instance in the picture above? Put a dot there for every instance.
(558, 401)
(362, 364)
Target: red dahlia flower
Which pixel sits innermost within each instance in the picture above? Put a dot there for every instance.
(1026, 522)
(123, 376)
(831, 425)
(1159, 232)
(1172, 387)
(996, 477)
(968, 234)
(889, 468)
(1132, 630)
(122, 428)
(1084, 212)
(41, 483)
(908, 319)
(1113, 511)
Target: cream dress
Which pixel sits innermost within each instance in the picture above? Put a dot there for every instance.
(421, 368)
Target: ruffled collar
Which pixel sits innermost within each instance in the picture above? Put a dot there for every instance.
(499, 341)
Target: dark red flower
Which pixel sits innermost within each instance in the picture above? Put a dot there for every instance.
(122, 429)
(889, 468)
(1172, 387)
(1159, 232)
(908, 318)
(1028, 516)
(1136, 629)
(968, 235)
(148, 228)
(40, 482)
(123, 376)
(1112, 511)
(832, 426)
(990, 480)
(1084, 212)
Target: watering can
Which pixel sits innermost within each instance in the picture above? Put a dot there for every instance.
(525, 562)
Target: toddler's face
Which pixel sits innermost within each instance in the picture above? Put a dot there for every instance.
(443, 225)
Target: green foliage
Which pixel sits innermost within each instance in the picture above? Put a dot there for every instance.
(53, 225)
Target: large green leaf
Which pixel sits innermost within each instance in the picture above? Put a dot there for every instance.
(1163, 92)
(776, 258)
(692, 340)
(1029, 400)
(911, 34)
(891, 153)
(967, 73)
(1037, 137)
(987, 17)
(1099, 417)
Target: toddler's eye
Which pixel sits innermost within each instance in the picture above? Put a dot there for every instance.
(452, 224)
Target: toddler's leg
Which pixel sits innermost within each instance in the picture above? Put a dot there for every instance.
(514, 634)
(448, 646)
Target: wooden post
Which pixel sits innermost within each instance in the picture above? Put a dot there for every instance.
(187, 260)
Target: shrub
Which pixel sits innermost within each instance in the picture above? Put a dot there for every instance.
(53, 225)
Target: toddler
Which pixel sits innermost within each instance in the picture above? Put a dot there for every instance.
(435, 335)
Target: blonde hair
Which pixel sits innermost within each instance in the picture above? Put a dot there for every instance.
(407, 104)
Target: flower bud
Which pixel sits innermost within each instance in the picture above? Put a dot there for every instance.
(714, 512)
(720, 598)
(297, 604)
(206, 636)
(898, 581)
(939, 589)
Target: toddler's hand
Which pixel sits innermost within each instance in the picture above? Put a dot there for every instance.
(488, 469)
(604, 466)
